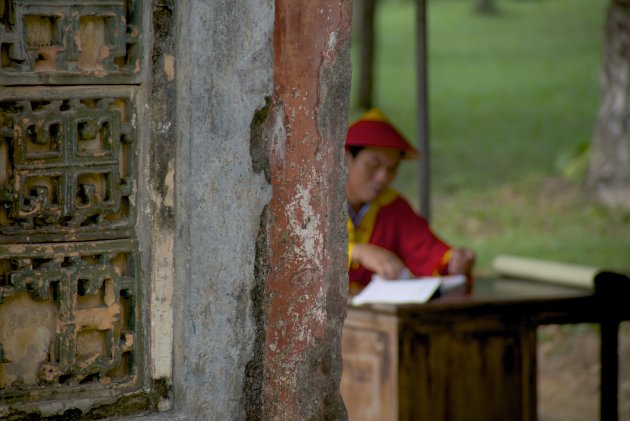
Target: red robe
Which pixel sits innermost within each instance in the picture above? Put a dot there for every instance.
(391, 223)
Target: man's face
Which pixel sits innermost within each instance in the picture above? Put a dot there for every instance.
(369, 173)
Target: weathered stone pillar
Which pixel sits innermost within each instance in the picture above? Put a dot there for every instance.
(262, 106)
(224, 73)
(305, 288)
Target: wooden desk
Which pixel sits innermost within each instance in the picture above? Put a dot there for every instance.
(460, 358)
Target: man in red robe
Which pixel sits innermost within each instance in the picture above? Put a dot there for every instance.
(386, 236)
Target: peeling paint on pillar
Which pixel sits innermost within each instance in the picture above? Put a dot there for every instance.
(306, 285)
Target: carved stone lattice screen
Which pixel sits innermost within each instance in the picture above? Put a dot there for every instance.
(70, 290)
(70, 42)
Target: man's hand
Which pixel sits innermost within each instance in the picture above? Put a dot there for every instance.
(461, 263)
(377, 259)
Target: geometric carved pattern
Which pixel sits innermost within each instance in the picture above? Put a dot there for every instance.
(70, 42)
(70, 287)
(94, 288)
(69, 168)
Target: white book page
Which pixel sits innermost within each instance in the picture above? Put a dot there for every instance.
(397, 291)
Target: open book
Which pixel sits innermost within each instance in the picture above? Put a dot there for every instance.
(406, 291)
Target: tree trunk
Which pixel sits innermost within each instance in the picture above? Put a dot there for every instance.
(609, 171)
(366, 10)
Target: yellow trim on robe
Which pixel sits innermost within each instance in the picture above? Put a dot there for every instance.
(444, 263)
(363, 232)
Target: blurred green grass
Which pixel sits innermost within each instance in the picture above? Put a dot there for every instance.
(511, 95)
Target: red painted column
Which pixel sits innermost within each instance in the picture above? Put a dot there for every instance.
(306, 282)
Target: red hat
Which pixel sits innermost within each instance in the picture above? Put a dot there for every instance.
(374, 129)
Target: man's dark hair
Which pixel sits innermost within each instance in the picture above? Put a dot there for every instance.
(354, 150)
